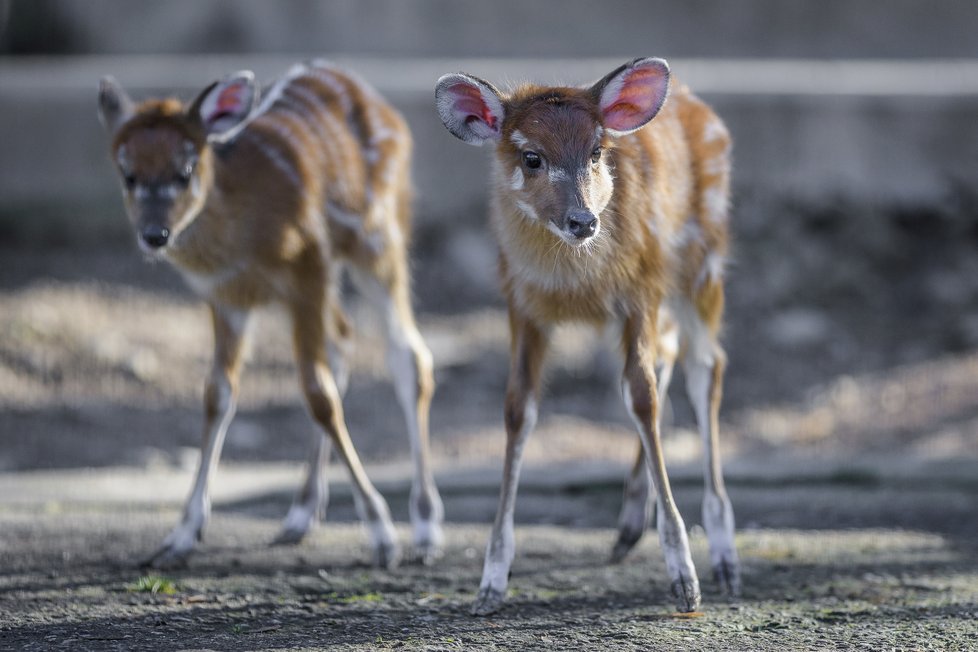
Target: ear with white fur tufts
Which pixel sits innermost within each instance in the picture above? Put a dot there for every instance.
(632, 95)
(471, 108)
(225, 104)
(114, 105)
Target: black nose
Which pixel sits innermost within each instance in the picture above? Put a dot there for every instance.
(155, 236)
(581, 223)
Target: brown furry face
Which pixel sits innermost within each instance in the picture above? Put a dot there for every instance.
(552, 154)
(161, 159)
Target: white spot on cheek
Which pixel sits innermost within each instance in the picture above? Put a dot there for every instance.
(528, 210)
(516, 181)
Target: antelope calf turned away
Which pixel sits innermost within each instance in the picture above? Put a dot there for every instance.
(258, 203)
(604, 220)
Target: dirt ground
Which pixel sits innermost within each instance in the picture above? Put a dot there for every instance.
(817, 576)
(836, 563)
(854, 484)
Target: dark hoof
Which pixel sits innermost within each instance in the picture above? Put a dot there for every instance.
(489, 601)
(387, 556)
(626, 541)
(687, 594)
(426, 555)
(288, 537)
(727, 576)
(166, 558)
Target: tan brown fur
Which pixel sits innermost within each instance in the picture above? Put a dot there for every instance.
(610, 206)
(658, 179)
(316, 179)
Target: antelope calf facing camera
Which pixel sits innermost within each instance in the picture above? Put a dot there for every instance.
(258, 203)
(609, 204)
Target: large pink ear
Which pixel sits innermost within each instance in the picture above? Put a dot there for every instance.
(471, 108)
(631, 95)
(226, 103)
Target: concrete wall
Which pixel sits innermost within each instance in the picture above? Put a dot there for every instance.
(503, 28)
(804, 131)
(819, 108)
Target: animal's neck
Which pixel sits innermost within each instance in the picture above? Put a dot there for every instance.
(537, 256)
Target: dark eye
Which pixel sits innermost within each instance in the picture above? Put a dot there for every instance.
(531, 160)
(130, 180)
(596, 155)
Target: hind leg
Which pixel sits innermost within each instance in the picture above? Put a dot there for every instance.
(638, 504)
(410, 365)
(324, 403)
(703, 364)
(309, 504)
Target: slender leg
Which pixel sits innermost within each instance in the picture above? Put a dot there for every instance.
(220, 397)
(639, 393)
(703, 365)
(309, 504)
(323, 399)
(527, 349)
(310, 501)
(338, 342)
(410, 365)
(638, 505)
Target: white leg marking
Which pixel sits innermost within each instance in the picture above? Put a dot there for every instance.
(376, 518)
(637, 507)
(406, 352)
(502, 542)
(672, 529)
(182, 539)
(718, 516)
(310, 501)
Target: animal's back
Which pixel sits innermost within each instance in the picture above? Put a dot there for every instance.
(677, 171)
(331, 136)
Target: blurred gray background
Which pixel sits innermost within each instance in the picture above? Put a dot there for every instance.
(853, 309)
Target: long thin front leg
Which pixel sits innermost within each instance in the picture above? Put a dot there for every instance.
(220, 397)
(528, 346)
(638, 504)
(323, 399)
(639, 393)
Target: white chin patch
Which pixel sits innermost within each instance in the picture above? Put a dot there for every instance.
(571, 240)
